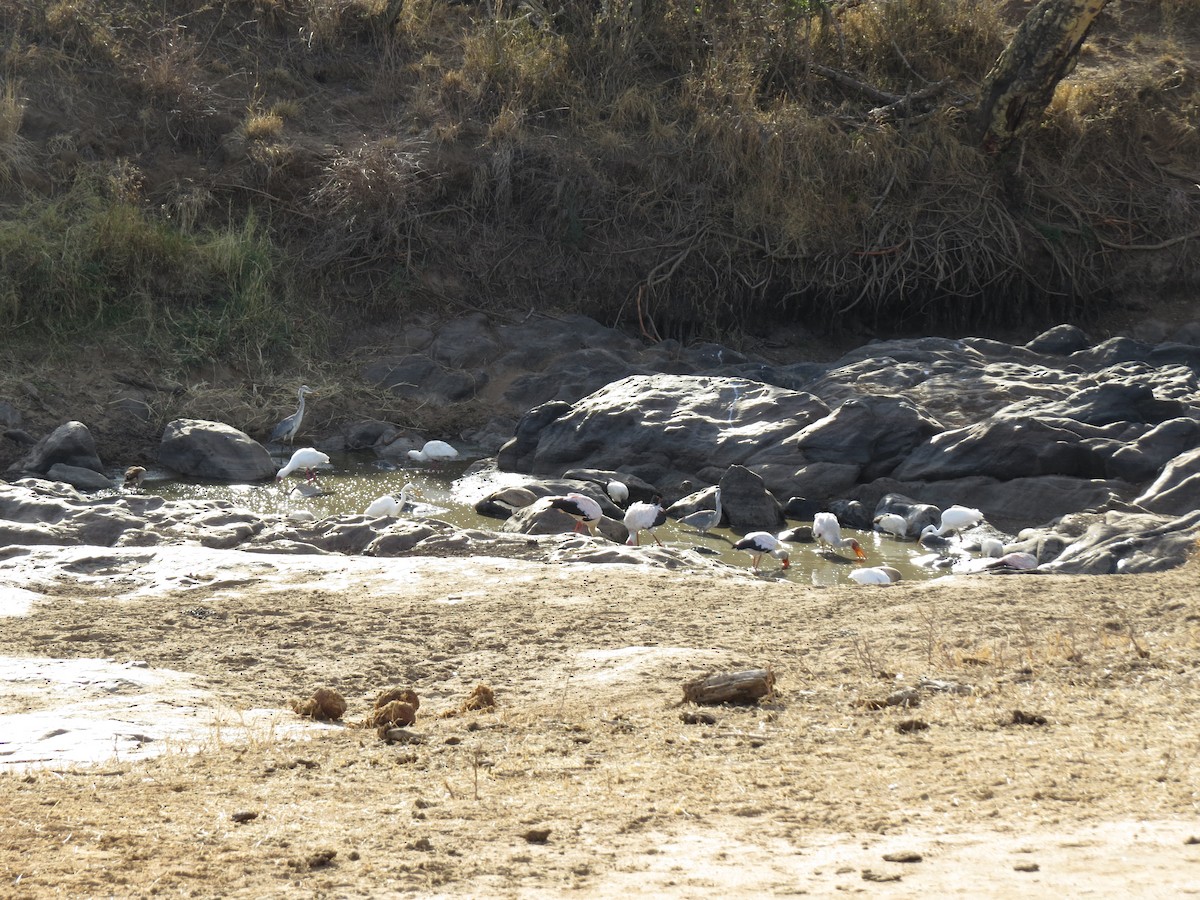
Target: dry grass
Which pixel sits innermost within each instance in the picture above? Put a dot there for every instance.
(702, 158)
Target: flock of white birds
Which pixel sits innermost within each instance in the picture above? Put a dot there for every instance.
(641, 516)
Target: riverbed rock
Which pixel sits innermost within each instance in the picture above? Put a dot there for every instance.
(661, 427)
(70, 444)
(213, 451)
(77, 477)
(1176, 491)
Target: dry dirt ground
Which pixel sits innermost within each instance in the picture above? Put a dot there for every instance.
(586, 778)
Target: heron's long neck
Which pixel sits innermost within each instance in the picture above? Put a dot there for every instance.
(717, 504)
(300, 408)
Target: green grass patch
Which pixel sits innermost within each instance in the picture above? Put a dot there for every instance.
(90, 260)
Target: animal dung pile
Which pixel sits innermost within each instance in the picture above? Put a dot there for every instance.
(483, 697)
(395, 707)
(325, 705)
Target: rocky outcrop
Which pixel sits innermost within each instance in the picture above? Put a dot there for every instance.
(213, 451)
(70, 444)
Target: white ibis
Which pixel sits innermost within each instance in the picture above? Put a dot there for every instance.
(704, 519)
(583, 509)
(892, 523)
(827, 530)
(644, 517)
(133, 477)
(954, 518)
(306, 458)
(290, 427)
(876, 575)
(434, 452)
(760, 543)
(392, 504)
(618, 492)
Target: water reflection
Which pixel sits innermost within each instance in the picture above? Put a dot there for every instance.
(449, 494)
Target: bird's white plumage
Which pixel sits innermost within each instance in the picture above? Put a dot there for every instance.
(760, 543)
(893, 524)
(704, 519)
(306, 459)
(827, 530)
(992, 548)
(392, 504)
(643, 517)
(434, 452)
(954, 518)
(876, 575)
(618, 492)
(583, 509)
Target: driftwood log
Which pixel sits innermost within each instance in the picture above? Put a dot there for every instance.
(748, 686)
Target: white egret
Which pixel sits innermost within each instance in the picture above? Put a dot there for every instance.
(435, 452)
(954, 518)
(392, 504)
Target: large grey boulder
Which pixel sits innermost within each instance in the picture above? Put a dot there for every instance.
(70, 444)
(78, 477)
(1177, 490)
(1120, 542)
(1003, 449)
(1144, 457)
(875, 433)
(213, 451)
(747, 504)
(661, 427)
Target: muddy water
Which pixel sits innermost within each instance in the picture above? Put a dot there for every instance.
(450, 494)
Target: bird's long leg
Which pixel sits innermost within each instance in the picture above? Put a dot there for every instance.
(579, 526)
(655, 536)
(637, 539)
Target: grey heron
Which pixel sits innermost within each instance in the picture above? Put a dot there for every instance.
(290, 427)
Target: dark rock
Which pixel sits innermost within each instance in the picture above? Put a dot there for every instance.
(1003, 449)
(1061, 340)
(70, 444)
(1176, 491)
(213, 451)
(746, 502)
(82, 479)
(1144, 458)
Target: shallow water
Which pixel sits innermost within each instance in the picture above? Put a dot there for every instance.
(449, 494)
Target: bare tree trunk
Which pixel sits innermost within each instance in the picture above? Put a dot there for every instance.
(1042, 53)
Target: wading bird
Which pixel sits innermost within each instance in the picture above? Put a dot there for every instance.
(290, 427)
(644, 517)
(134, 476)
(827, 530)
(704, 519)
(306, 458)
(892, 523)
(760, 543)
(392, 504)
(583, 509)
(954, 518)
(435, 452)
(618, 492)
(876, 575)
